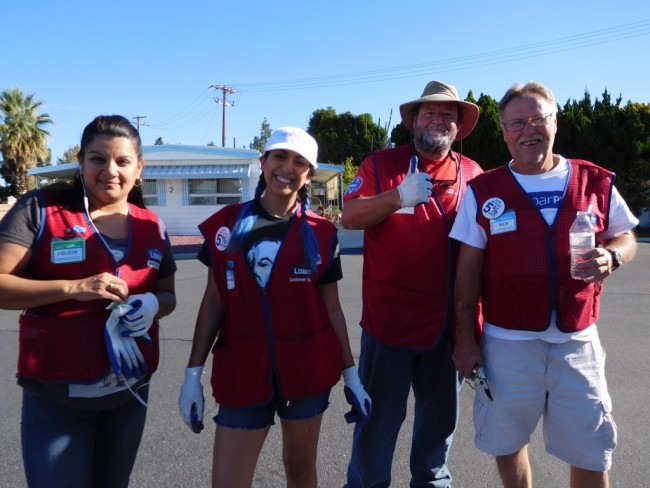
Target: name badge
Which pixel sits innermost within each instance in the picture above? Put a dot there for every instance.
(506, 222)
(68, 250)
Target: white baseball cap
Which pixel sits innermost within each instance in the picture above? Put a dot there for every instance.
(294, 139)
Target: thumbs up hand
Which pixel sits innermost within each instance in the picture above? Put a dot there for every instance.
(416, 187)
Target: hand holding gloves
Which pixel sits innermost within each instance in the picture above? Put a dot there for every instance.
(356, 396)
(190, 400)
(123, 352)
(141, 314)
(415, 187)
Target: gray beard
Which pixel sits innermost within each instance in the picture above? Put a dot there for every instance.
(434, 144)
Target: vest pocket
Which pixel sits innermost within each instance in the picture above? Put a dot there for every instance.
(310, 365)
(241, 374)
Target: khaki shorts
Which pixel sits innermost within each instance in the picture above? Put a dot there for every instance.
(563, 383)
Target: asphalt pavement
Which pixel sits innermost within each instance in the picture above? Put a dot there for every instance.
(171, 456)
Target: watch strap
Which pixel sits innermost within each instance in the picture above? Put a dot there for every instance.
(616, 258)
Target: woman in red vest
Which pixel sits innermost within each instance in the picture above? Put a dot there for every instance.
(271, 304)
(92, 270)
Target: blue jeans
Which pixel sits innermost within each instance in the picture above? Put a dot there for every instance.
(66, 447)
(388, 373)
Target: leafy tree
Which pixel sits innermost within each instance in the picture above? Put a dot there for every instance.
(260, 142)
(345, 135)
(485, 144)
(400, 135)
(159, 142)
(69, 155)
(613, 136)
(349, 171)
(22, 138)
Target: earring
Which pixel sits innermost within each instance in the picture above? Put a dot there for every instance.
(138, 183)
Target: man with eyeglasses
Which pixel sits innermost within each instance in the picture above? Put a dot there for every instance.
(540, 349)
(406, 199)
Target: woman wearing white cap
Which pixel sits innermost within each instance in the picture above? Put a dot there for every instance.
(271, 304)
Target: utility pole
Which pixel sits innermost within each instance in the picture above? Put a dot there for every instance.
(225, 90)
(137, 119)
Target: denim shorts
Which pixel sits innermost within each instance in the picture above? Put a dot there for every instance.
(260, 416)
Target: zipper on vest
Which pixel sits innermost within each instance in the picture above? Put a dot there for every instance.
(268, 326)
(552, 264)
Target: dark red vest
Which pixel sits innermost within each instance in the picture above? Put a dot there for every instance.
(65, 341)
(526, 274)
(409, 263)
(283, 329)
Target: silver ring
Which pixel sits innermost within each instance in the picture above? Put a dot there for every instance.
(108, 288)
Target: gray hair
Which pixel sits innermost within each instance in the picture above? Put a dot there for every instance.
(532, 88)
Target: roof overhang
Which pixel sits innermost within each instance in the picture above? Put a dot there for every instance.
(326, 172)
(187, 170)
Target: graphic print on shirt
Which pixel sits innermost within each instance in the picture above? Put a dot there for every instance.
(261, 257)
(545, 200)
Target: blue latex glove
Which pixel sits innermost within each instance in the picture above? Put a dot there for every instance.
(140, 316)
(123, 352)
(191, 401)
(356, 396)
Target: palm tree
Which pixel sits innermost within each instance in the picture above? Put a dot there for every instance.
(22, 138)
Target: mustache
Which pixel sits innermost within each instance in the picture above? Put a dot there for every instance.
(435, 142)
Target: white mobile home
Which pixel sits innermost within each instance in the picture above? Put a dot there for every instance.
(184, 185)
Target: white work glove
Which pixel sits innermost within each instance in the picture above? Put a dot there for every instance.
(190, 400)
(123, 353)
(140, 316)
(415, 187)
(356, 396)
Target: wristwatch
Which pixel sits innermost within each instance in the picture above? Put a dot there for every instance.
(617, 260)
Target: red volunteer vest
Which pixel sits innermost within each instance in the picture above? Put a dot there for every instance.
(65, 341)
(526, 273)
(283, 329)
(409, 262)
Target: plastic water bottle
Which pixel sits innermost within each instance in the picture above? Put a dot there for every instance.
(581, 239)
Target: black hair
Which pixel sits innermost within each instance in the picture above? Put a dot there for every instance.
(247, 218)
(103, 125)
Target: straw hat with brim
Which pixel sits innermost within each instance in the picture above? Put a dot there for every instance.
(437, 91)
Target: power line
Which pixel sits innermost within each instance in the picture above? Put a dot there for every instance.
(225, 90)
(137, 118)
(569, 43)
(197, 111)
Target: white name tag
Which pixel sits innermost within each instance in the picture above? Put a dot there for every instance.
(506, 222)
(68, 250)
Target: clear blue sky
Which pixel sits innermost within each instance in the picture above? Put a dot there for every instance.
(288, 58)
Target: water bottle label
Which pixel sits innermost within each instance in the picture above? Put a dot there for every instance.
(507, 222)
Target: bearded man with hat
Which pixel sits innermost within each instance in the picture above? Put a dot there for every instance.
(405, 199)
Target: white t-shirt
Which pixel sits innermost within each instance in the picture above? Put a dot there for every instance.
(547, 191)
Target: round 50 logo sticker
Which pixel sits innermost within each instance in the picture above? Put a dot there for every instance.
(222, 238)
(493, 208)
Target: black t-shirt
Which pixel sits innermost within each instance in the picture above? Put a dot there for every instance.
(262, 243)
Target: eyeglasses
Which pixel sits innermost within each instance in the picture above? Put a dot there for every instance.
(445, 184)
(436, 184)
(515, 125)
